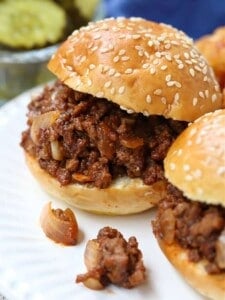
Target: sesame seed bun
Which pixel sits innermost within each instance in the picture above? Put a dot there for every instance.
(124, 196)
(212, 46)
(143, 66)
(211, 286)
(195, 163)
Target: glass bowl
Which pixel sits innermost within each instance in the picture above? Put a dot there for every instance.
(23, 70)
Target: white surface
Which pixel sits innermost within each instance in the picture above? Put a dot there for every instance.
(32, 266)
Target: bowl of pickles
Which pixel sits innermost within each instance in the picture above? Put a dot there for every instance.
(30, 32)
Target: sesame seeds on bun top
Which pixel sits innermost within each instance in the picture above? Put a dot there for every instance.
(195, 162)
(143, 66)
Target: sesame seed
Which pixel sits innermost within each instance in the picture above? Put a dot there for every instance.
(116, 58)
(163, 100)
(205, 78)
(89, 82)
(179, 152)
(148, 99)
(170, 83)
(205, 70)
(168, 77)
(192, 72)
(100, 94)
(136, 36)
(117, 74)
(155, 61)
(167, 46)
(150, 43)
(141, 53)
(163, 67)
(193, 131)
(188, 178)
(186, 167)
(180, 66)
(105, 50)
(217, 88)
(158, 54)
(93, 49)
(197, 68)
(172, 166)
(122, 52)
(146, 54)
(168, 57)
(125, 58)
(97, 37)
(122, 36)
(157, 92)
(112, 72)
(201, 94)
(194, 101)
(137, 47)
(207, 93)
(128, 71)
(197, 173)
(112, 91)
(121, 90)
(107, 84)
(176, 97)
(145, 113)
(145, 66)
(221, 170)
(186, 55)
(214, 97)
(91, 66)
(178, 84)
(152, 70)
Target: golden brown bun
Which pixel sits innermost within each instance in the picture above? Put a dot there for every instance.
(211, 286)
(125, 196)
(212, 46)
(195, 163)
(141, 65)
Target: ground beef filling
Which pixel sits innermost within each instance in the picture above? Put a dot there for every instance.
(97, 140)
(120, 261)
(196, 226)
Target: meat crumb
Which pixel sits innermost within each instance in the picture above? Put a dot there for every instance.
(111, 259)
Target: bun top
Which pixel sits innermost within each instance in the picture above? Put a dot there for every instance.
(195, 162)
(143, 66)
(212, 46)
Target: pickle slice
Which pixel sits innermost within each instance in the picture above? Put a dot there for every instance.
(86, 7)
(27, 24)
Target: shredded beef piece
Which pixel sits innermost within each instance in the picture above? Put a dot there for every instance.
(197, 226)
(120, 263)
(97, 139)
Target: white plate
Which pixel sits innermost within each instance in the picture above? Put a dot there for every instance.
(34, 267)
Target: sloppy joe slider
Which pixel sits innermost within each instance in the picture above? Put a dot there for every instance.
(190, 222)
(126, 88)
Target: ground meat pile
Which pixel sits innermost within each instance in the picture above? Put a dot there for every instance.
(120, 261)
(196, 226)
(97, 140)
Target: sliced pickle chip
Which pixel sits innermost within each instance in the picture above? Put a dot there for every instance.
(27, 24)
(86, 7)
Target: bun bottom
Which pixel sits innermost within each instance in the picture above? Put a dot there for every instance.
(211, 286)
(125, 196)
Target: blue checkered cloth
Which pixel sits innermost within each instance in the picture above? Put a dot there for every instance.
(195, 17)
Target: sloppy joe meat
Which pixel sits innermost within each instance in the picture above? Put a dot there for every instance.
(97, 140)
(195, 226)
(120, 263)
